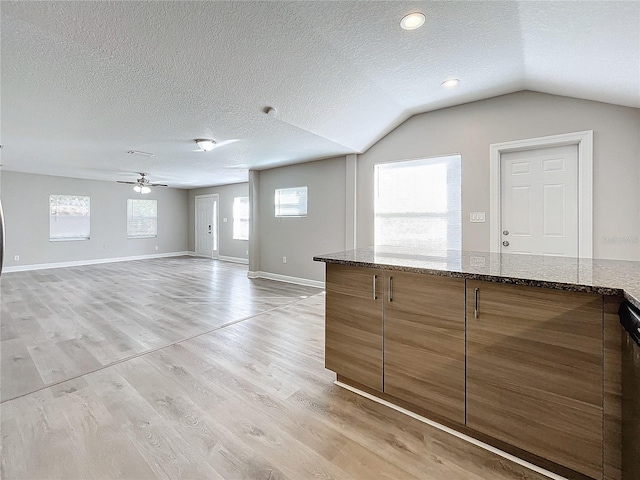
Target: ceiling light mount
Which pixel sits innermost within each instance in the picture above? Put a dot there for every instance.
(205, 144)
(412, 21)
(452, 82)
(272, 112)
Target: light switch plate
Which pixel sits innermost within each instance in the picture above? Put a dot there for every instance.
(476, 217)
(224, 220)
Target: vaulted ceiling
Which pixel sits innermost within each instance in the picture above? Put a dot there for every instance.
(85, 82)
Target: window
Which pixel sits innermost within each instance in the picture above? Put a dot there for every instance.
(241, 218)
(142, 218)
(69, 217)
(291, 202)
(418, 203)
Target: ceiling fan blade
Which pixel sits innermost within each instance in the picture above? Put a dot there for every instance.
(156, 185)
(226, 142)
(129, 183)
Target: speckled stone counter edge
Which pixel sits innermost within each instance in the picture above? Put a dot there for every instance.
(602, 290)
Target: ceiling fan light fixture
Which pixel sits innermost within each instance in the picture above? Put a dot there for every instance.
(145, 190)
(412, 21)
(206, 145)
(137, 189)
(452, 82)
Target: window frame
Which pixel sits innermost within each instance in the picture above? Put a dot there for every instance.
(453, 165)
(129, 236)
(278, 205)
(69, 239)
(240, 219)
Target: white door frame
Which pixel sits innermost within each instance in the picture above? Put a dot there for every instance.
(584, 141)
(216, 224)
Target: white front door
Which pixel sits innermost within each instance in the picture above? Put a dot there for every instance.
(207, 226)
(539, 196)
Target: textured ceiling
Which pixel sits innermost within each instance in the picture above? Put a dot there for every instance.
(84, 82)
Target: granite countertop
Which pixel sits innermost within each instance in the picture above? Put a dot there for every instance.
(606, 277)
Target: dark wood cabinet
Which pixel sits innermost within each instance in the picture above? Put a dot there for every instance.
(353, 326)
(424, 342)
(535, 371)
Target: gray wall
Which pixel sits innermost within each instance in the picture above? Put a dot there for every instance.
(469, 129)
(299, 239)
(25, 199)
(227, 246)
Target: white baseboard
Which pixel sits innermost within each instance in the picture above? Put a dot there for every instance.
(453, 432)
(285, 278)
(79, 263)
(224, 258)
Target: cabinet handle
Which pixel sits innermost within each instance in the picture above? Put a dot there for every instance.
(475, 311)
(391, 289)
(375, 278)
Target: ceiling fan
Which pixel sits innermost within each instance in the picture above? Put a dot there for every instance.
(205, 145)
(142, 184)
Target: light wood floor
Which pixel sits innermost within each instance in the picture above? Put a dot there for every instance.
(60, 323)
(251, 400)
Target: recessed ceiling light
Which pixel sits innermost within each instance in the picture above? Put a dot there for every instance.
(412, 21)
(206, 145)
(453, 82)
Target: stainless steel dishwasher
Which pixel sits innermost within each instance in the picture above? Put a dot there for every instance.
(630, 320)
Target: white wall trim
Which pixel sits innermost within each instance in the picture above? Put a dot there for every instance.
(96, 261)
(224, 258)
(287, 279)
(584, 141)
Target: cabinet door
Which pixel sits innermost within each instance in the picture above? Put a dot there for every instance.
(424, 342)
(353, 325)
(534, 371)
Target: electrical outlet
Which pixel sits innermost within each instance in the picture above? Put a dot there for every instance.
(156, 248)
(284, 259)
(16, 257)
(224, 220)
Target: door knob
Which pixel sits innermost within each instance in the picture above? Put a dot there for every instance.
(505, 244)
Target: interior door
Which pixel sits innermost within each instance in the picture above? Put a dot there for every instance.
(207, 226)
(539, 195)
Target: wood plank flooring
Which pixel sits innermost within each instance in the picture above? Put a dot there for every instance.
(251, 400)
(61, 323)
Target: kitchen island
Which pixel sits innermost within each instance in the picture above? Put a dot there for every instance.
(521, 352)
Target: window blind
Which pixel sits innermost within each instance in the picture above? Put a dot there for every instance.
(291, 202)
(69, 217)
(241, 218)
(142, 218)
(418, 203)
